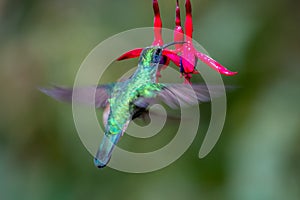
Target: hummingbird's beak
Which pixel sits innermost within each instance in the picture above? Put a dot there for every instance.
(172, 43)
(105, 150)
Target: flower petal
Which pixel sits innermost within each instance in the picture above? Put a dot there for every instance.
(172, 56)
(188, 19)
(157, 25)
(214, 64)
(131, 54)
(178, 31)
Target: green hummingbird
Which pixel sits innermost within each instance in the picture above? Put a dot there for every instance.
(126, 100)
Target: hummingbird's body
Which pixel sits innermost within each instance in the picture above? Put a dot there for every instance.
(124, 101)
(121, 107)
(124, 94)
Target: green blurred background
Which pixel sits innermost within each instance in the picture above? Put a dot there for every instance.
(258, 154)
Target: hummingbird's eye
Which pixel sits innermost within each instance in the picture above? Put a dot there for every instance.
(156, 55)
(158, 51)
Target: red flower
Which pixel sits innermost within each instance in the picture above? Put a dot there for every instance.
(189, 56)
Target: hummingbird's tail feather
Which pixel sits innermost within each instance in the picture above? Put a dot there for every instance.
(105, 150)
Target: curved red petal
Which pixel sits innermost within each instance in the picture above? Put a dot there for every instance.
(178, 60)
(214, 64)
(188, 65)
(172, 56)
(131, 54)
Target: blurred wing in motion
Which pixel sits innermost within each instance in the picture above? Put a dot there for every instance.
(144, 114)
(176, 95)
(83, 94)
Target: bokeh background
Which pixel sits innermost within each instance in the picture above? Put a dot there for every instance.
(258, 154)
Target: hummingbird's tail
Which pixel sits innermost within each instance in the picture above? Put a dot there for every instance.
(105, 150)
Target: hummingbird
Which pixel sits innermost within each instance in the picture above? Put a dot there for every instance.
(129, 99)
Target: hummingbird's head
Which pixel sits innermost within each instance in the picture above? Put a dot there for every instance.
(153, 54)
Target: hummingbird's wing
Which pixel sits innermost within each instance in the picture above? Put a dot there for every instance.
(144, 115)
(176, 95)
(83, 94)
